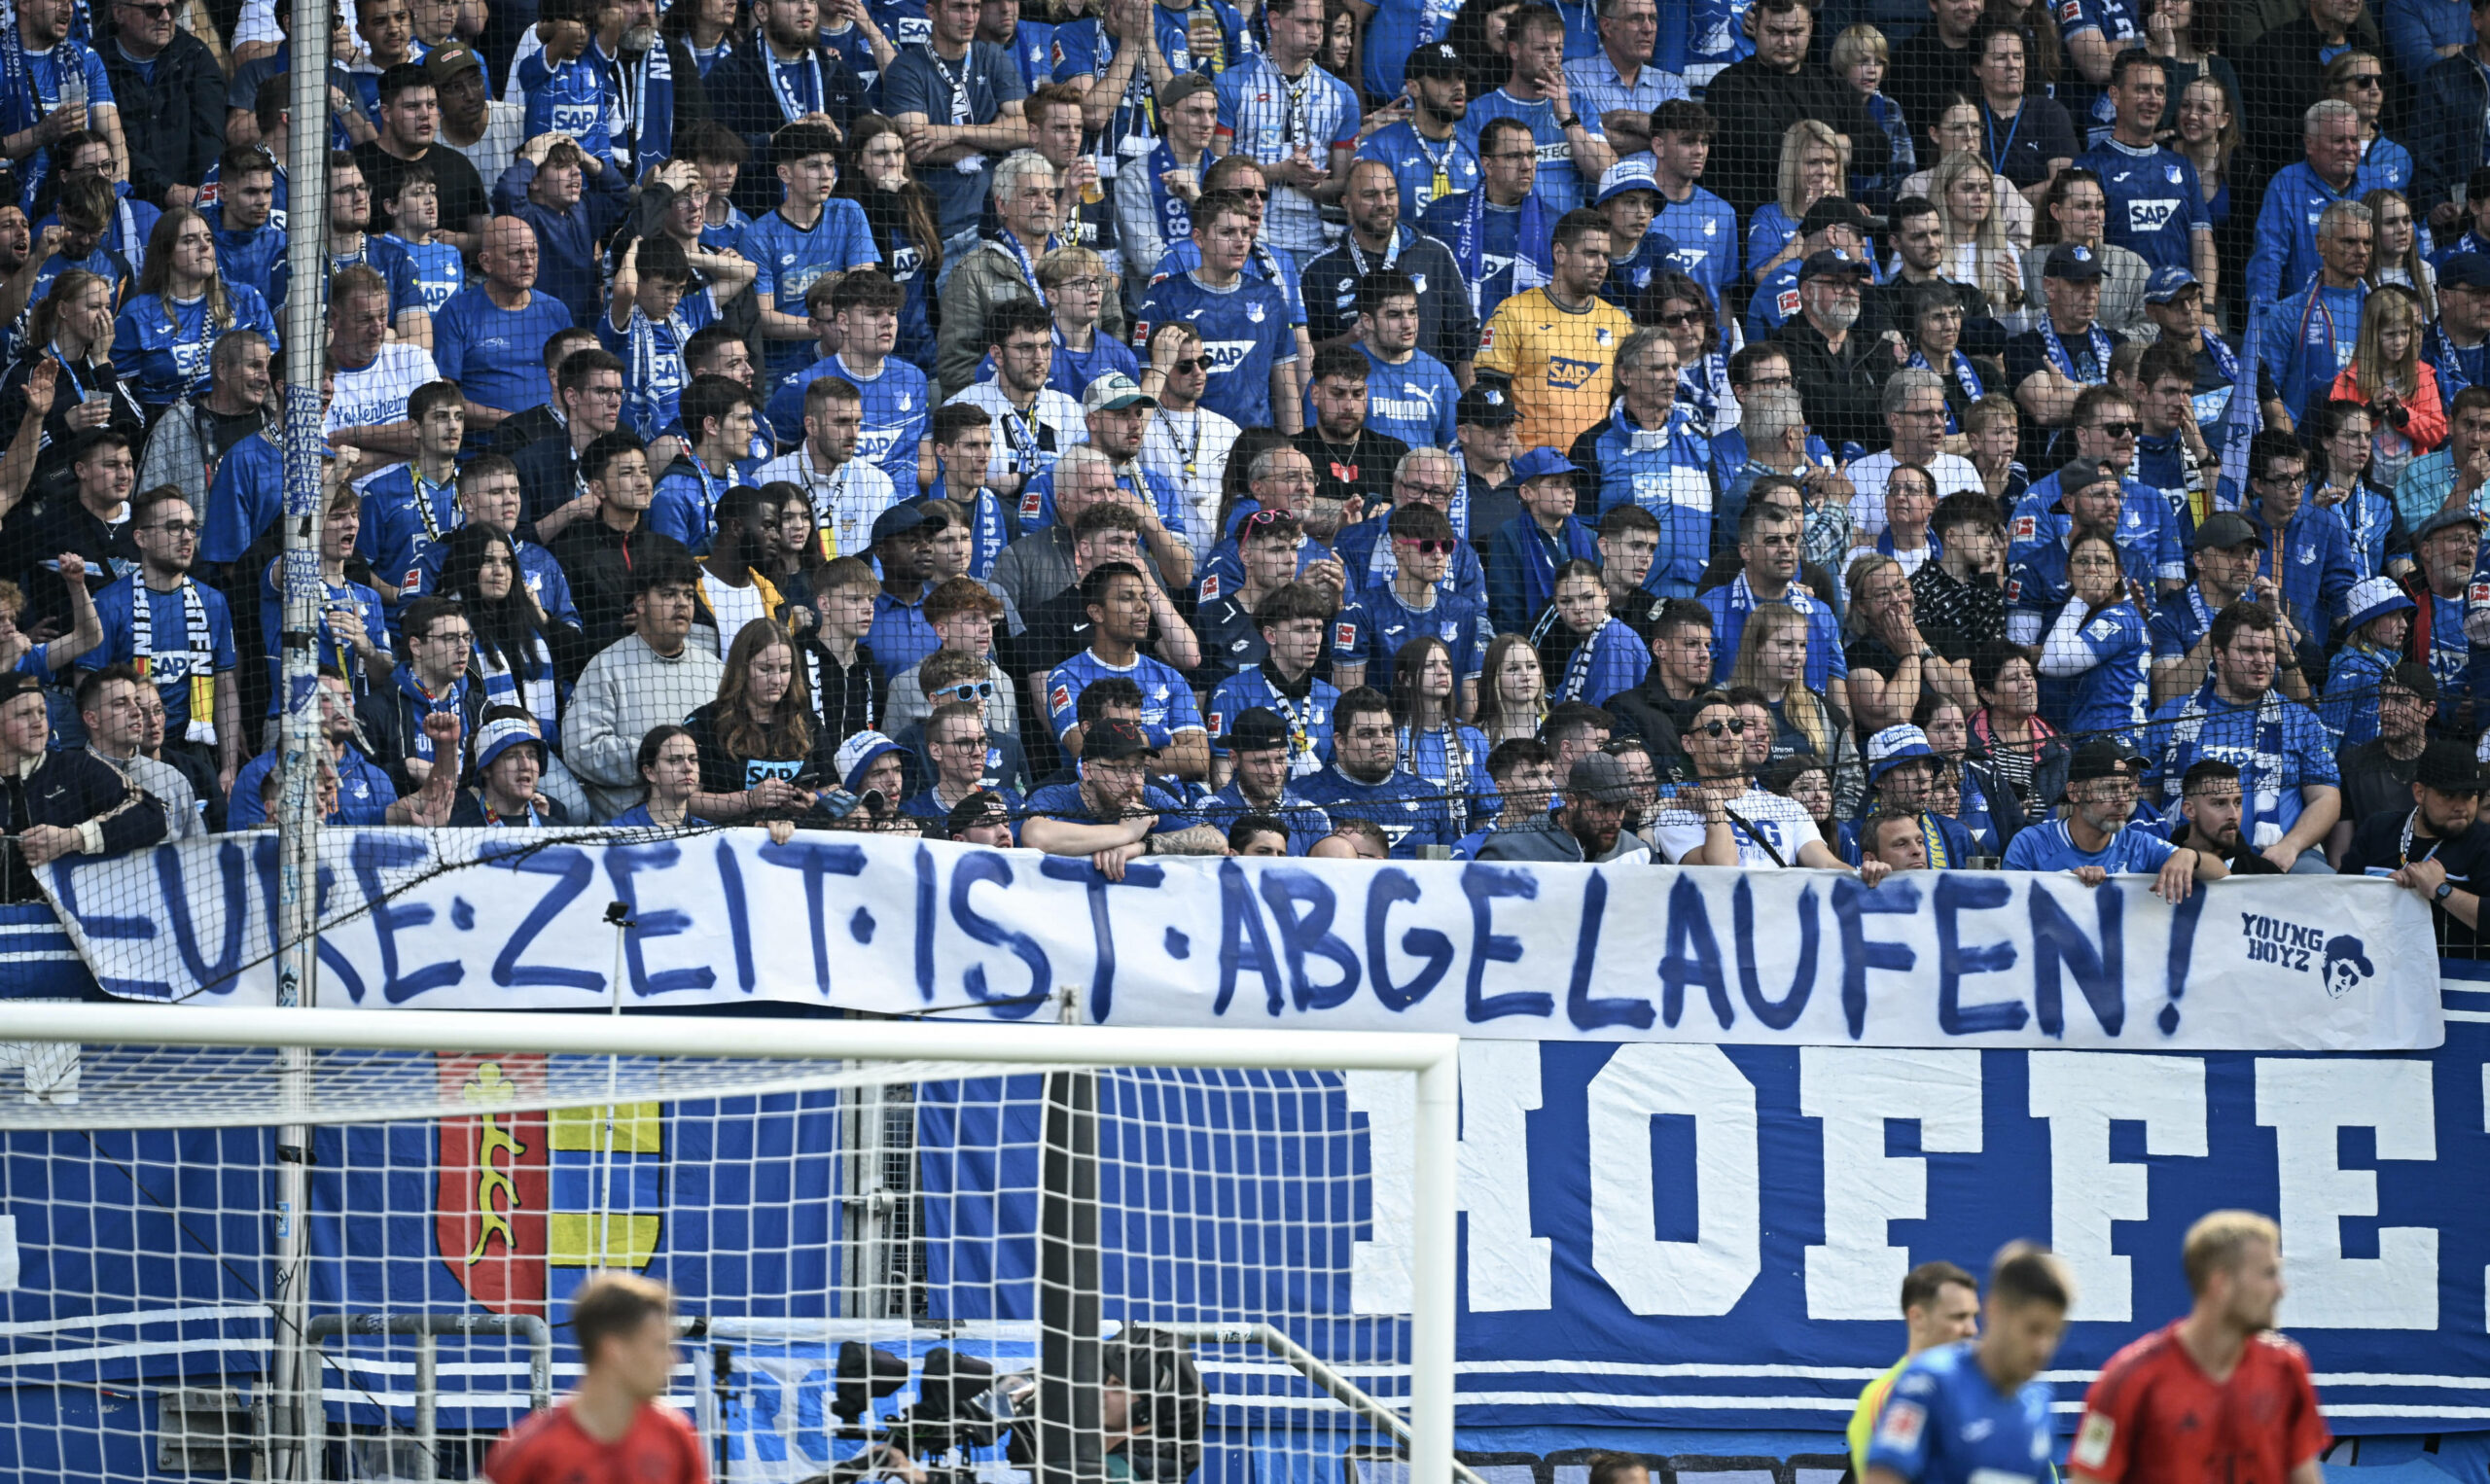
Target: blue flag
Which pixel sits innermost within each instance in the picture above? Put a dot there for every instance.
(2240, 421)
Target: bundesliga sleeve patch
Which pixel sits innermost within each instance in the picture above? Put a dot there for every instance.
(2092, 1441)
(1344, 636)
(1060, 697)
(2027, 528)
(1901, 1425)
(1032, 505)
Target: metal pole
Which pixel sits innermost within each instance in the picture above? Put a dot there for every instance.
(1071, 1435)
(295, 1369)
(1431, 1336)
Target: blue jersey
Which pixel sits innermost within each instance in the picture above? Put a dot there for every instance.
(2285, 260)
(1308, 717)
(2278, 745)
(1700, 38)
(497, 355)
(2308, 341)
(383, 255)
(1265, 264)
(1426, 171)
(246, 496)
(1368, 560)
(1943, 1423)
(1408, 810)
(1079, 52)
(2155, 207)
(898, 413)
(786, 259)
(2454, 660)
(930, 806)
(1166, 700)
(1245, 332)
(175, 660)
(684, 505)
(1063, 802)
(1732, 601)
(1037, 497)
(1500, 249)
(1379, 625)
(1612, 659)
(1704, 233)
(330, 649)
(2349, 707)
(1666, 472)
(1452, 760)
(2315, 552)
(404, 516)
(652, 354)
(567, 97)
(1411, 399)
(248, 255)
(160, 345)
(1306, 822)
(2147, 534)
(437, 269)
(2050, 846)
(1561, 185)
(1073, 371)
(2110, 694)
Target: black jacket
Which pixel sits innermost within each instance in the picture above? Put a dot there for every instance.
(520, 429)
(70, 788)
(1654, 715)
(548, 478)
(1758, 105)
(741, 98)
(1844, 392)
(390, 723)
(598, 561)
(173, 119)
(1447, 328)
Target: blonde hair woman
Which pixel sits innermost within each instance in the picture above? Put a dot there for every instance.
(1773, 658)
(1977, 251)
(2389, 378)
(1814, 164)
(1957, 130)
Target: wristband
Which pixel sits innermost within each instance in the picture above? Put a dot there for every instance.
(1575, 121)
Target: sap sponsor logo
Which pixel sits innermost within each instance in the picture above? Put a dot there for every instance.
(2152, 215)
(1680, 486)
(1567, 374)
(875, 445)
(1224, 356)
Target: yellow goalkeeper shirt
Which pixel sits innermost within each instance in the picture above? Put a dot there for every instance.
(1558, 360)
(1862, 1417)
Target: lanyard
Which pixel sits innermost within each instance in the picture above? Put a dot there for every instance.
(1441, 164)
(958, 84)
(1023, 429)
(2403, 850)
(1295, 127)
(1391, 253)
(1988, 124)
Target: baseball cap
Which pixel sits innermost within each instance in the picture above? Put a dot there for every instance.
(14, 686)
(1113, 393)
(984, 806)
(1832, 260)
(2444, 518)
(2100, 757)
(2222, 531)
(2374, 598)
(1255, 730)
(2448, 766)
(1114, 739)
(1183, 86)
(2084, 473)
(1435, 59)
(902, 519)
(497, 738)
(2415, 677)
(1600, 776)
(1485, 406)
(860, 752)
(2168, 282)
(450, 60)
(1623, 176)
(2074, 263)
(1540, 463)
(1834, 211)
(1889, 748)
(2465, 271)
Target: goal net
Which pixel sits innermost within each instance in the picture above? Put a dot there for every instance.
(924, 1251)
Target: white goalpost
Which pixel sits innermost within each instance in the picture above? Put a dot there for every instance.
(1007, 1254)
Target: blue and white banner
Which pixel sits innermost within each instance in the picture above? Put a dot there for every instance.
(492, 919)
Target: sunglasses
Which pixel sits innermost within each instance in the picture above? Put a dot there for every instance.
(968, 690)
(1185, 367)
(1424, 546)
(1735, 728)
(1260, 518)
(2120, 428)
(1681, 319)
(1253, 193)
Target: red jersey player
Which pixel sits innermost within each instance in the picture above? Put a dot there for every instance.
(613, 1430)
(2217, 1397)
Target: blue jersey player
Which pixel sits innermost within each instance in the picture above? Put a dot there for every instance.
(1243, 323)
(1976, 1409)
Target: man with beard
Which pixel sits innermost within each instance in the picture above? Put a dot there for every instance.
(1590, 825)
(2223, 1372)
(732, 591)
(1725, 818)
(2445, 550)
(1366, 782)
(1260, 745)
(1351, 460)
(2182, 628)
(2438, 847)
(409, 129)
(1425, 153)
(2211, 803)
(1838, 370)
(1113, 813)
(2095, 839)
(2377, 774)
(2285, 755)
(783, 76)
(1379, 241)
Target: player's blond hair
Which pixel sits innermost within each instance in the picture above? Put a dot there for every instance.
(2218, 1241)
(612, 1304)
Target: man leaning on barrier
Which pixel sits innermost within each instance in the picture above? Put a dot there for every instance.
(60, 804)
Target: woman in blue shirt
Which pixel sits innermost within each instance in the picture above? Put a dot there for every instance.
(902, 217)
(2096, 650)
(669, 764)
(1435, 743)
(162, 340)
(1810, 171)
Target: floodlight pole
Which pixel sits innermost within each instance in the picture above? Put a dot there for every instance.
(297, 1420)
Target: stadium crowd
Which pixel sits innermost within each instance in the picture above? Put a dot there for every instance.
(1751, 431)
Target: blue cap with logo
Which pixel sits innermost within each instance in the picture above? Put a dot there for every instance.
(2168, 282)
(1623, 176)
(1540, 463)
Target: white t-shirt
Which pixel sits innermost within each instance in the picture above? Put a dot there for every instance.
(1782, 820)
(734, 608)
(846, 500)
(1203, 439)
(1954, 474)
(378, 394)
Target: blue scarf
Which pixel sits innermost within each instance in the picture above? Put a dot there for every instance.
(1470, 244)
(1965, 376)
(2225, 359)
(2261, 781)
(1168, 210)
(988, 535)
(22, 105)
(452, 700)
(647, 90)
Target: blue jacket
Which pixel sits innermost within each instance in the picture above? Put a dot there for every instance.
(566, 240)
(1666, 472)
(2447, 137)
(2286, 255)
(1521, 571)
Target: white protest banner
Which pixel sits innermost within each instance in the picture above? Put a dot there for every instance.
(493, 919)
